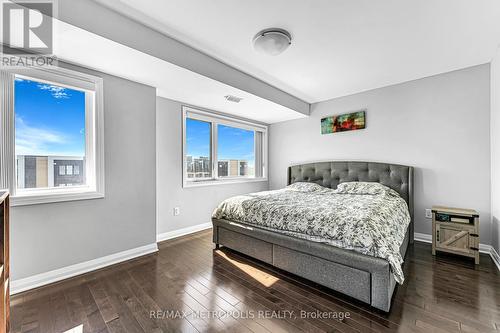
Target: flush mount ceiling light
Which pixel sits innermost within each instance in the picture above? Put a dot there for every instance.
(272, 41)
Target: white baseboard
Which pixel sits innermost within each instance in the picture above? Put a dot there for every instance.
(426, 238)
(483, 248)
(182, 232)
(45, 278)
(496, 258)
(42, 279)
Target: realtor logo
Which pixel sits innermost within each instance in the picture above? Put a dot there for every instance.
(27, 28)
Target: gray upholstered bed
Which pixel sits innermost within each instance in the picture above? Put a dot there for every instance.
(360, 276)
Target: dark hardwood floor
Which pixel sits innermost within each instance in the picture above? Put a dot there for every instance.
(189, 287)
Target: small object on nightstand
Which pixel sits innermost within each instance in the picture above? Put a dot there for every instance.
(455, 230)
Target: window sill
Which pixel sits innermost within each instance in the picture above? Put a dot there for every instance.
(45, 198)
(202, 183)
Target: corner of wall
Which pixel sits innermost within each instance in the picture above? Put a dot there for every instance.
(495, 149)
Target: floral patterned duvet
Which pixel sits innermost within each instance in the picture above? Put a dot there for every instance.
(369, 218)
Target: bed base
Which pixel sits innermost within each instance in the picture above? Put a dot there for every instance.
(362, 277)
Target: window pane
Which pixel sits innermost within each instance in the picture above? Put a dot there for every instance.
(198, 148)
(50, 134)
(235, 152)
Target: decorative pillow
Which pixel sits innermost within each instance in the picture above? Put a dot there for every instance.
(305, 187)
(371, 188)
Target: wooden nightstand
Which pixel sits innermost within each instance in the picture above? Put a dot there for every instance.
(455, 230)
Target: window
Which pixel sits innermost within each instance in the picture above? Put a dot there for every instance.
(56, 116)
(236, 148)
(220, 149)
(198, 147)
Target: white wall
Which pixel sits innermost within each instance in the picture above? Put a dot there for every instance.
(439, 125)
(196, 203)
(495, 151)
(51, 236)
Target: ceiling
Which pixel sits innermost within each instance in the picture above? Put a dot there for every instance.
(340, 47)
(76, 45)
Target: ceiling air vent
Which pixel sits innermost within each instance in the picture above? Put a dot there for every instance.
(234, 99)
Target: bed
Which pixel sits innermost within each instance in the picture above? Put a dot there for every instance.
(370, 279)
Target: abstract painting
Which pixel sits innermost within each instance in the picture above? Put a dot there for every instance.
(344, 122)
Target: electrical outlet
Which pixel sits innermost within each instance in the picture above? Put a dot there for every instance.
(177, 211)
(428, 213)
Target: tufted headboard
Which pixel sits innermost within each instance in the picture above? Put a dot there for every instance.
(330, 174)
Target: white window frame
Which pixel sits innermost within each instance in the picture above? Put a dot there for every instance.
(94, 138)
(217, 119)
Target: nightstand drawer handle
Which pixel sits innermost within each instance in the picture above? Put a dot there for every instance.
(474, 248)
(474, 235)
